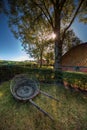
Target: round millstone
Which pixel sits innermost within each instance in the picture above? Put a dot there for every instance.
(24, 88)
(24, 91)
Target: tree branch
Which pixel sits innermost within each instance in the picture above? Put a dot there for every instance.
(39, 6)
(2, 6)
(61, 4)
(51, 21)
(74, 16)
(52, 1)
(37, 18)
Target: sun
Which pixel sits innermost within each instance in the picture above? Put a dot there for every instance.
(53, 35)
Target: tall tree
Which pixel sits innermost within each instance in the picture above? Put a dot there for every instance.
(70, 41)
(59, 14)
(38, 41)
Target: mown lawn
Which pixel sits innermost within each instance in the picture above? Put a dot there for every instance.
(69, 114)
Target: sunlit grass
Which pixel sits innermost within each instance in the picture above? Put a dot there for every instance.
(69, 114)
(1, 94)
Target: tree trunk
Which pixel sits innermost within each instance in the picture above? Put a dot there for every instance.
(41, 59)
(58, 65)
(58, 55)
(58, 49)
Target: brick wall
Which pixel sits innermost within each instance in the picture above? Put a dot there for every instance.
(75, 59)
(75, 68)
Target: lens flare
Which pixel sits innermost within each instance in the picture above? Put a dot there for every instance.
(53, 35)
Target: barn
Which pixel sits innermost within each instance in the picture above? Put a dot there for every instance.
(75, 59)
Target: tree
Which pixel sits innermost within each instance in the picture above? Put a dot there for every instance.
(83, 13)
(49, 56)
(38, 48)
(59, 14)
(70, 41)
(38, 42)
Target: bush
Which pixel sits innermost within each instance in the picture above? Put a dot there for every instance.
(7, 72)
(77, 80)
(73, 79)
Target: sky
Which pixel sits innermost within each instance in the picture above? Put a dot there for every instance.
(11, 48)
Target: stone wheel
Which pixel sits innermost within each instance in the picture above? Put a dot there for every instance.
(24, 88)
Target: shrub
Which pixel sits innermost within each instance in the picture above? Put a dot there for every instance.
(78, 80)
(74, 79)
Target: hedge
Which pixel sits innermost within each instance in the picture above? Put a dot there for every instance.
(73, 79)
(76, 80)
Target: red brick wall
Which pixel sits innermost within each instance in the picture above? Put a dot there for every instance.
(72, 68)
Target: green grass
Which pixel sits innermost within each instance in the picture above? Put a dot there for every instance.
(69, 114)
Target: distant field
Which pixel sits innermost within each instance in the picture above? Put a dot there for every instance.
(2, 62)
(70, 113)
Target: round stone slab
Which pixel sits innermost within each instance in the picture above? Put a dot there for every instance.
(24, 88)
(25, 91)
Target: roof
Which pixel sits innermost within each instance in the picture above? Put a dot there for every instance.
(77, 56)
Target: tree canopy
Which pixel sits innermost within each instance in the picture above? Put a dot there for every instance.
(70, 41)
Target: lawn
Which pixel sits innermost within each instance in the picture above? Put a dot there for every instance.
(70, 113)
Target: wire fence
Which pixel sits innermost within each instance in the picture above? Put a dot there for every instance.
(75, 68)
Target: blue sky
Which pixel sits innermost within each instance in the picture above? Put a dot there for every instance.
(80, 30)
(10, 47)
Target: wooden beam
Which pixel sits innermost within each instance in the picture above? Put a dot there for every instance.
(40, 109)
(46, 94)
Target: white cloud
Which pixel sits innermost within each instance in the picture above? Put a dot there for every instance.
(21, 58)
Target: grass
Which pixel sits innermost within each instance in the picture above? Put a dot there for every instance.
(69, 114)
